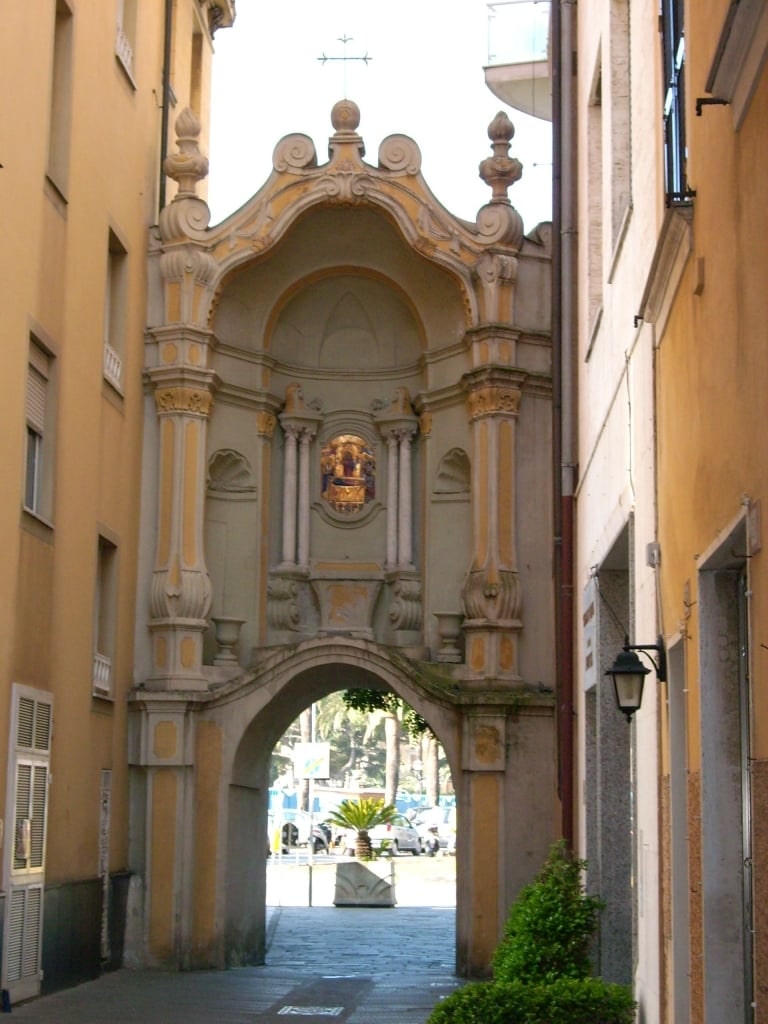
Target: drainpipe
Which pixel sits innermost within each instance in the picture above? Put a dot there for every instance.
(166, 99)
(563, 344)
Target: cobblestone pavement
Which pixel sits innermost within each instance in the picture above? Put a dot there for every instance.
(323, 963)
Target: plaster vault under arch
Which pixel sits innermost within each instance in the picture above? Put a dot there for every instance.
(347, 480)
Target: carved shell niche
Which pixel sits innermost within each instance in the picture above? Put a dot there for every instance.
(454, 474)
(229, 471)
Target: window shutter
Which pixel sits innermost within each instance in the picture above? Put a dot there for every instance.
(34, 725)
(23, 960)
(36, 388)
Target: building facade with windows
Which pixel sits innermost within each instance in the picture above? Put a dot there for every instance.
(672, 343)
(705, 304)
(305, 450)
(83, 139)
(659, 323)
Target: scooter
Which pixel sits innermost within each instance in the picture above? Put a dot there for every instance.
(432, 843)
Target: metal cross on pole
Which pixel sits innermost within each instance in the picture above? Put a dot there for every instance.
(344, 40)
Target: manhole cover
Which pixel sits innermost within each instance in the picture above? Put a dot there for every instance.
(310, 1011)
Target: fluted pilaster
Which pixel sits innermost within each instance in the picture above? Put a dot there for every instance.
(492, 595)
(180, 596)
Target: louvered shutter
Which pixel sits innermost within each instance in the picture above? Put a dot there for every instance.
(23, 958)
(37, 386)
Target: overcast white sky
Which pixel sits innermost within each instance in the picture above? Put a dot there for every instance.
(424, 79)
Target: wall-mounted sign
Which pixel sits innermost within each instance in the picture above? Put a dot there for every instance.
(312, 760)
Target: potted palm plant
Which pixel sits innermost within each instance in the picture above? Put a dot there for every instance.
(363, 882)
(359, 816)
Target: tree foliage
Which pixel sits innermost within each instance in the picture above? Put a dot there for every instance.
(380, 700)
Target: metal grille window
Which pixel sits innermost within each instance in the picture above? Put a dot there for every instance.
(673, 40)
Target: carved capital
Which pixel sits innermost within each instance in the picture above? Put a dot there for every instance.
(492, 399)
(265, 424)
(190, 400)
(494, 267)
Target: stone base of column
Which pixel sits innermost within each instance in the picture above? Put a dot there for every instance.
(177, 655)
(491, 652)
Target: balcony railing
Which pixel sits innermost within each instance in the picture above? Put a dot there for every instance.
(124, 51)
(113, 366)
(518, 31)
(102, 674)
(518, 70)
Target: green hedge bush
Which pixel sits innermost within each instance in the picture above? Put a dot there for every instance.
(566, 1001)
(549, 927)
(541, 967)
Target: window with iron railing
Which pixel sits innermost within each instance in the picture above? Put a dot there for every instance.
(675, 151)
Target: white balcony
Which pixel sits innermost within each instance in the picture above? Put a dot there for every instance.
(102, 674)
(518, 69)
(113, 367)
(124, 51)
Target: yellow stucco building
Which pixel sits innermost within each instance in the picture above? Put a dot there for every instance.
(304, 450)
(662, 217)
(711, 364)
(84, 130)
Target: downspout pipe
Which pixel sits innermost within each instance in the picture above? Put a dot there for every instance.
(563, 343)
(166, 100)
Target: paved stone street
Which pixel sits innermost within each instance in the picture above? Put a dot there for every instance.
(356, 965)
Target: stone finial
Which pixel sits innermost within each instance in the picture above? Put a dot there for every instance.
(345, 142)
(188, 166)
(500, 170)
(345, 116)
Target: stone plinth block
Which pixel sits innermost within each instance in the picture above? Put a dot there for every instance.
(364, 885)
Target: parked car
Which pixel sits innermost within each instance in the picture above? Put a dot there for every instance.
(398, 836)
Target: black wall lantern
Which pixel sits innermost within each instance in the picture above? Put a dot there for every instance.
(628, 674)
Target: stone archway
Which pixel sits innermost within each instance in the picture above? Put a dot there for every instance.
(301, 678)
(499, 751)
(343, 317)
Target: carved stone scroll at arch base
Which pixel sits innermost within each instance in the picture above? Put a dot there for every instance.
(282, 603)
(405, 607)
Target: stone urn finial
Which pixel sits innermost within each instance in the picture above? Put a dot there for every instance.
(227, 631)
(500, 170)
(189, 165)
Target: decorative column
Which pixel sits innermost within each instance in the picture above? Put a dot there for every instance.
(492, 598)
(398, 426)
(405, 509)
(307, 437)
(300, 423)
(289, 494)
(183, 389)
(181, 589)
(392, 498)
